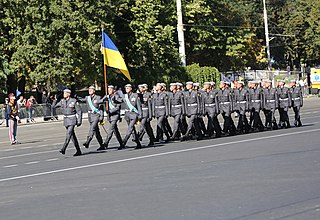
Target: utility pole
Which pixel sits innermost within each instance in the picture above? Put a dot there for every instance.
(182, 50)
(267, 33)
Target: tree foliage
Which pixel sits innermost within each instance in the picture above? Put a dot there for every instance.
(58, 41)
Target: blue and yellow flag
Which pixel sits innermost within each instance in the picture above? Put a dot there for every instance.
(112, 56)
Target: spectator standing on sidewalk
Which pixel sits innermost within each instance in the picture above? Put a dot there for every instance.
(21, 103)
(5, 111)
(29, 107)
(12, 111)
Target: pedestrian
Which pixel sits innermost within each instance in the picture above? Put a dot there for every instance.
(72, 115)
(13, 114)
(146, 107)
(285, 102)
(160, 111)
(29, 107)
(95, 115)
(271, 103)
(113, 116)
(21, 103)
(133, 113)
(241, 105)
(297, 102)
(210, 109)
(176, 110)
(6, 115)
(193, 109)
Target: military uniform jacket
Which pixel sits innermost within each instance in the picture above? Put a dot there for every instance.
(256, 99)
(176, 103)
(271, 100)
(114, 104)
(296, 96)
(71, 111)
(225, 100)
(192, 102)
(241, 100)
(160, 104)
(210, 103)
(96, 102)
(135, 102)
(284, 96)
(146, 104)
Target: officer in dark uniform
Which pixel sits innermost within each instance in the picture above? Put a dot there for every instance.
(176, 110)
(255, 105)
(184, 124)
(210, 108)
(133, 113)
(271, 103)
(72, 117)
(285, 100)
(297, 102)
(225, 99)
(167, 126)
(95, 115)
(196, 87)
(146, 106)
(160, 111)
(241, 104)
(113, 112)
(192, 106)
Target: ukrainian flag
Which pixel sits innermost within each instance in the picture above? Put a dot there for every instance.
(112, 56)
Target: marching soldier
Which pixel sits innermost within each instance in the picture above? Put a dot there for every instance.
(297, 102)
(284, 104)
(146, 106)
(113, 112)
(176, 110)
(192, 106)
(225, 100)
(184, 124)
(133, 113)
(271, 102)
(255, 105)
(241, 102)
(211, 109)
(196, 87)
(72, 117)
(160, 111)
(167, 126)
(95, 115)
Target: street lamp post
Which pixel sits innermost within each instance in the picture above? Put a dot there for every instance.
(180, 30)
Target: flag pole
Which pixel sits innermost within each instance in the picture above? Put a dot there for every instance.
(106, 84)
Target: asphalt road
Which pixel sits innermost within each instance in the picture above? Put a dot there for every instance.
(266, 175)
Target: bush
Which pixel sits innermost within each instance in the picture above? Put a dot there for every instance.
(199, 74)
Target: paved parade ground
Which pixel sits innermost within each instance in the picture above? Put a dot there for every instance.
(266, 175)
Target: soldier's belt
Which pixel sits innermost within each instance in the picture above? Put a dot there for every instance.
(242, 102)
(213, 104)
(195, 104)
(176, 106)
(93, 112)
(145, 108)
(160, 106)
(69, 116)
(224, 103)
(255, 100)
(271, 100)
(284, 99)
(296, 98)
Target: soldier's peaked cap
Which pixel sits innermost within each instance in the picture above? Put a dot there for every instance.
(267, 81)
(179, 84)
(196, 84)
(207, 83)
(173, 84)
(189, 83)
(92, 87)
(293, 81)
(128, 85)
(111, 86)
(228, 83)
(241, 82)
(67, 91)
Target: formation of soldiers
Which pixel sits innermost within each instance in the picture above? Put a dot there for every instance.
(187, 106)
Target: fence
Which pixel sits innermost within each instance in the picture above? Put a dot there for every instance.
(42, 110)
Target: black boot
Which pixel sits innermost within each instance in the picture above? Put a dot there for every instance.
(62, 151)
(78, 153)
(86, 144)
(102, 147)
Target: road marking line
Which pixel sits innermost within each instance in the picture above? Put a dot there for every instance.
(24, 148)
(13, 165)
(32, 162)
(8, 149)
(53, 159)
(29, 154)
(155, 155)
